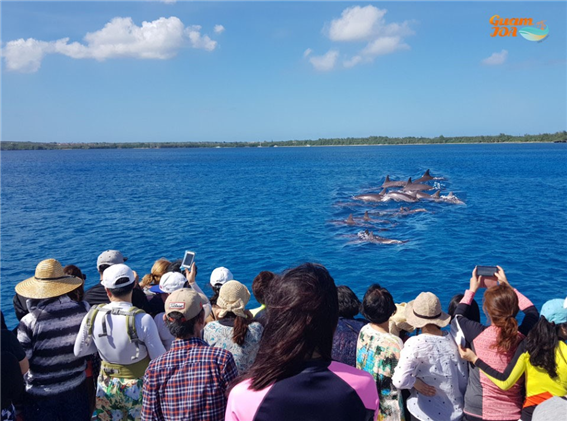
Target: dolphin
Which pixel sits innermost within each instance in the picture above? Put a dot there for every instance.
(371, 197)
(366, 217)
(452, 199)
(350, 220)
(423, 195)
(402, 197)
(406, 211)
(414, 187)
(390, 183)
(370, 237)
(426, 177)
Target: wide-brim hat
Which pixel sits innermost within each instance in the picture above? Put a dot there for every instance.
(425, 310)
(233, 297)
(49, 281)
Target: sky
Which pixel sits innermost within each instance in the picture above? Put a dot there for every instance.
(173, 71)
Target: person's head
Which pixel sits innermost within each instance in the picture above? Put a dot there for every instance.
(219, 277)
(378, 304)
(119, 281)
(426, 310)
(49, 281)
(184, 315)
(72, 270)
(232, 300)
(544, 337)
(169, 283)
(260, 285)
(473, 310)
(109, 258)
(302, 313)
(159, 268)
(501, 306)
(349, 304)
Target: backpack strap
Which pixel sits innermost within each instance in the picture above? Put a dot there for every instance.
(91, 317)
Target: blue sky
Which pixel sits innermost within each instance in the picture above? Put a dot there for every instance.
(249, 71)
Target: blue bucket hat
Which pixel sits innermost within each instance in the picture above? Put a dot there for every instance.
(554, 311)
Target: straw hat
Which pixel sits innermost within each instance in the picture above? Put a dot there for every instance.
(49, 281)
(425, 310)
(398, 321)
(233, 297)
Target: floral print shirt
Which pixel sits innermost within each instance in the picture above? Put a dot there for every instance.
(378, 353)
(219, 335)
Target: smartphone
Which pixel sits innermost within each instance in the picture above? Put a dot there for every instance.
(188, 260)
(486, 270)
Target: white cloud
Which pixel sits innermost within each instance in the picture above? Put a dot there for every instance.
(325, 62)
(197, 40)
(219, 29)
(307, 52)
(356, 23)
(384, 46)
(159, 39)
(355, 60)
(368, 25)
(496, 58)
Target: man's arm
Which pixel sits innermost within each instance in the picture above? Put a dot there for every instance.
(151, 409)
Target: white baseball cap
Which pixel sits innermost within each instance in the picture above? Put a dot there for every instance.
(118, 271)
(170, 282)
(220, 276)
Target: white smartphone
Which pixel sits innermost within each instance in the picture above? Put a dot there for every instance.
(188, 260)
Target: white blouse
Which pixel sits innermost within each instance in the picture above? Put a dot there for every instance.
(436, 361)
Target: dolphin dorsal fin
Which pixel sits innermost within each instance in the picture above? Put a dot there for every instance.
(366, 216)
(350, 219)
(387, 179)
(451, 194)
(409, 181)
(427, 173)
(436, 194)
(371, 234)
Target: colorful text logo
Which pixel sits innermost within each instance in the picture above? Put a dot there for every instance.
(508, 27)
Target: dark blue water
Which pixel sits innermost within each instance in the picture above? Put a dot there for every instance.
(268, 209)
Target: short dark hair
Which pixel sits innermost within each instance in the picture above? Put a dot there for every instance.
(120, 292)
(180, 328)
(260, 285)
(473, 312)
(349, 304)
(378, 305)
(175, 266)
(103, 267)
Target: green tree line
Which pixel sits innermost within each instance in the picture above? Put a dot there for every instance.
(372, 140)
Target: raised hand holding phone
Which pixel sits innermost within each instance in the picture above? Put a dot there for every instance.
(487, 275)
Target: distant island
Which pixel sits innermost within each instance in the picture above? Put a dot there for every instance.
(559, 137)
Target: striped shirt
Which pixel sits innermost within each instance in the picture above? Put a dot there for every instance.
(47, 334)
(483, 399)
(188, 383)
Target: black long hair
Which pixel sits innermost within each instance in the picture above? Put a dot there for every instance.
(541, 343)
(302, 314)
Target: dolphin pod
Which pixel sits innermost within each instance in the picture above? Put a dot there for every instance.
(409, 191)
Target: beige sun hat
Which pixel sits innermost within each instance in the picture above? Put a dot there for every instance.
(49, 281)
(233, 297)
(398, 322)
(426, 309)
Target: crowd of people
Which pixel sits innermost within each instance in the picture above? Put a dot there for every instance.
(159, 349)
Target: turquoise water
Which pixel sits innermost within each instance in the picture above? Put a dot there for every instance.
(271, 208)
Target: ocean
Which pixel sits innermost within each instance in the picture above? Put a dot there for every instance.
(254, 209)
